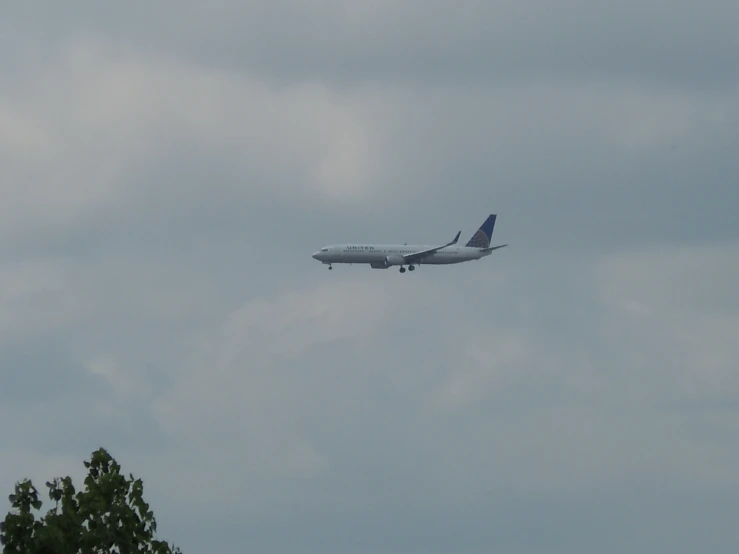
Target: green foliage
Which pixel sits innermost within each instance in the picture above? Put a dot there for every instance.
(109, 516)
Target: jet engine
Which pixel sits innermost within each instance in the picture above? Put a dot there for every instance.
(394, 259)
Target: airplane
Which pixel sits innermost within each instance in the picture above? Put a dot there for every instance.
(384, 256)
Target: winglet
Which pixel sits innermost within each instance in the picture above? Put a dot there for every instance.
(456, 238)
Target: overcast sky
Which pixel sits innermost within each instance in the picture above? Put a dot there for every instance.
(168, 170)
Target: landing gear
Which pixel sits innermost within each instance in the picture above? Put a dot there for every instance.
(330, 267)
(402, 269)
(411, 267)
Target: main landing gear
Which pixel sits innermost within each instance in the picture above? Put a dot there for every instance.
(410, 268)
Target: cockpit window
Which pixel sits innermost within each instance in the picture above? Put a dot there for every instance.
(324, 249)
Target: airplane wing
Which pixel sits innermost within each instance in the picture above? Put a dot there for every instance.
(415, 256)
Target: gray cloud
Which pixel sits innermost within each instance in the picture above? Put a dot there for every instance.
(530, 152)
(169, 170)
(680, 42)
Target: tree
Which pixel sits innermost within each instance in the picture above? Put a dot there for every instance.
(109, 516)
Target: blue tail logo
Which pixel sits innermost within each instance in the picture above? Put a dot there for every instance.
(481, 239)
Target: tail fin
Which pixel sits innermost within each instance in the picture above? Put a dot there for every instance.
(481, 239)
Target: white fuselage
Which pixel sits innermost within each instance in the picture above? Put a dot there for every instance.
(378, 255)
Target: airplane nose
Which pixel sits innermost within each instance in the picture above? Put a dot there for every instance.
(316, 254)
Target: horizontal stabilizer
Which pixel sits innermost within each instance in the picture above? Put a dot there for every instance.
(493, 248)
